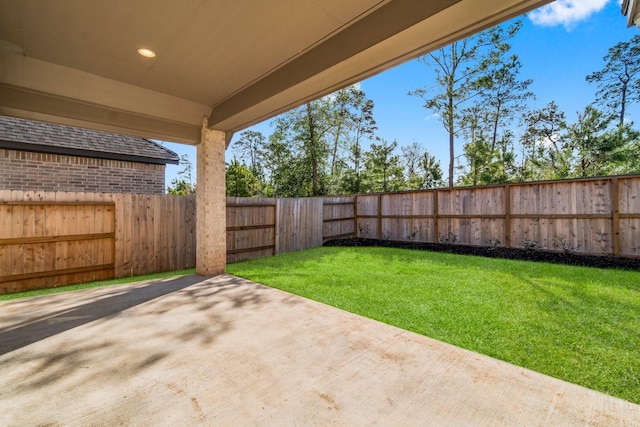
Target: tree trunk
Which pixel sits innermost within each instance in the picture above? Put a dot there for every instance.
(451, 141)
(622, 106)
(313, 153)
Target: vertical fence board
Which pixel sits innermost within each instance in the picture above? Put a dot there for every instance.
(629, 205)
(54, 243)
(575, 216)
(338, 217)
(367, 208)
(251, 228)
(127, 206)
(142, 226)
(300, 224)
(190, 238)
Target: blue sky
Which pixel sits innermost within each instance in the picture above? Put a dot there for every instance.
(558, 46)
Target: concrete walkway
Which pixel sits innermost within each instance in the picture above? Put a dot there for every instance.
(226, 352)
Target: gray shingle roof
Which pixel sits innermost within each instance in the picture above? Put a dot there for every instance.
(50, 138)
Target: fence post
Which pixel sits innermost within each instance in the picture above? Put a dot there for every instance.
(379, 216)
(507, 216)
(615, 216)
(435, 216)
(276, 231)
(355, 215)
(277, 226)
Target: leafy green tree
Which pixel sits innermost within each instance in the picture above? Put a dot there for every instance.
(305, 130)
(432, 176)
(488, 123)
(476, 150)
(183, 184)
(352, 115)
(311, 134)
(251, 146)
(383, 170)
(302, 134)
(597, 148)
(630, 153)
(619, 81)
(411, 156)
(478, 168)
(283, 168)
(544, 156)
(456, 68)
(502, 95)
(352, 178)
(240, 181)
(421, 169)
(340, 115)
(323, 142)
(180, 187)
(363, 127)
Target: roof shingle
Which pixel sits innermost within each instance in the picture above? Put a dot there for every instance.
(39, 136)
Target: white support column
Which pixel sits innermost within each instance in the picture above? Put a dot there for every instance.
(211, 204)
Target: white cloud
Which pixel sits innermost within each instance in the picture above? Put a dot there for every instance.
(548, 141)
(332, 96)
(566, 12)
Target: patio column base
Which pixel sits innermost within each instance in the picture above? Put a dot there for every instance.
(211, 203)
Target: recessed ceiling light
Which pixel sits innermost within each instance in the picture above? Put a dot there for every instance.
(147, 53)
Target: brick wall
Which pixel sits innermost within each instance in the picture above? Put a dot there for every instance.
(28, 171)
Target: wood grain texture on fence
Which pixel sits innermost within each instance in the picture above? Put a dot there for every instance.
(628, 203)
(368, 218)
(251, 228)
(564, 216)
(599, 216)
(300, 224)
(48, 244)
(259, 227)
(151, 233)
(472, 216)
(338, 215)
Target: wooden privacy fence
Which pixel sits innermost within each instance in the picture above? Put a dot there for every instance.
(263, 227)
(52, 244)
(51, 239)
(598, 216)
(590, 216)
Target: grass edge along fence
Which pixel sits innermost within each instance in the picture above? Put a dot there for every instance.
(590, 216)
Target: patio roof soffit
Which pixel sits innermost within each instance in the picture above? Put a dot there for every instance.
(311, 48)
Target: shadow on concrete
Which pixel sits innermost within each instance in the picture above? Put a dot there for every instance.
(23, 335)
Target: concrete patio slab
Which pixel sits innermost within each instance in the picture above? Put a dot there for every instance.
(226, 351)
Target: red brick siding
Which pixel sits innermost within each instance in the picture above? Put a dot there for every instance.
(28, 171)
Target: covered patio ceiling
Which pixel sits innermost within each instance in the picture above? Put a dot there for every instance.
(234, 62)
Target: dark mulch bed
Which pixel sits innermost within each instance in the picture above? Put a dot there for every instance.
(498, 252)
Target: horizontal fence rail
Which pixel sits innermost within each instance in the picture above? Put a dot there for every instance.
(50, 239)
(258, 227)
(45, 244)
(251, 228)
(597, 216)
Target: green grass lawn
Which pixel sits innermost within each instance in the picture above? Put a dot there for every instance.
(575, 323)
(96, 284)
